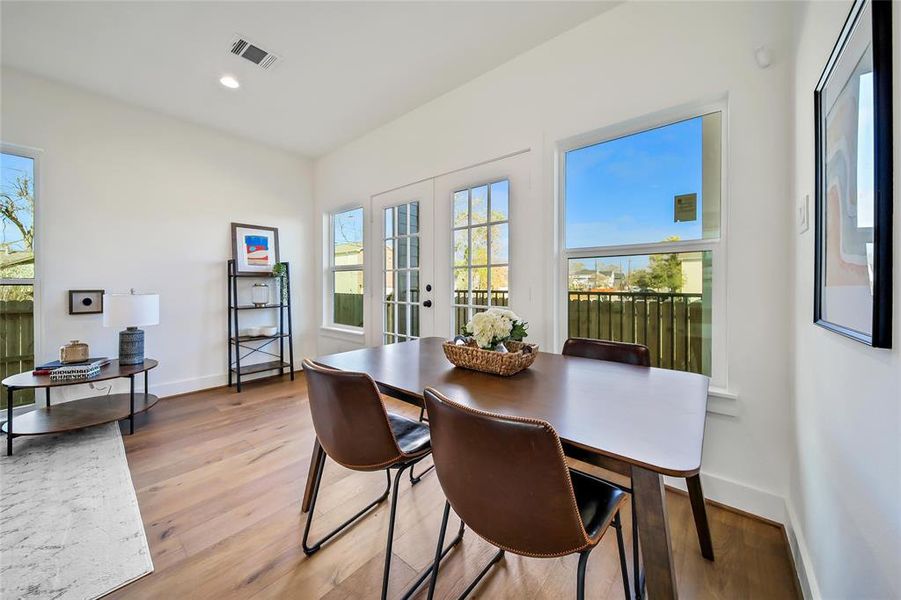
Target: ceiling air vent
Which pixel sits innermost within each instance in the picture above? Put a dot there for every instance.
(246, 49)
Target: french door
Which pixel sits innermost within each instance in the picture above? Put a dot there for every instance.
(402, 302)
(444, 251)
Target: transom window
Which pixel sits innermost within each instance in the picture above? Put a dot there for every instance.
(642, 233)
(347, 268)
(481, 238)
(401, 306)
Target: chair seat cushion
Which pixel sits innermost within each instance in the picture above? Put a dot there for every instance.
(412, 436)
(598, 502)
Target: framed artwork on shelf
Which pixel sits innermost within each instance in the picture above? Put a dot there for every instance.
(85, 302)
(853, 136)
(254, 248)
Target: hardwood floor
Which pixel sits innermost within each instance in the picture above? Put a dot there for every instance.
(219, 478)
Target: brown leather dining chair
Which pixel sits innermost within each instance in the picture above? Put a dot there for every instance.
(507, 480)
(356, 431)
(630, 354)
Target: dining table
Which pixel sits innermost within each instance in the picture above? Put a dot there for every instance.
(641, 422)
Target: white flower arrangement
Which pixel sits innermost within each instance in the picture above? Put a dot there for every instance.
(494, 326)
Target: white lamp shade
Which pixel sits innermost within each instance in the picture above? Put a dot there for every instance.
(131, 310)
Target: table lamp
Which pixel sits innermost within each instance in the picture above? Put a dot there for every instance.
(131, 311)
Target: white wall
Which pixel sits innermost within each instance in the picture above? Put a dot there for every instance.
(635, 60)
(130, 198)
(845, 496)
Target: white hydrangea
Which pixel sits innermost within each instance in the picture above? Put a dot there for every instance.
(491, 326)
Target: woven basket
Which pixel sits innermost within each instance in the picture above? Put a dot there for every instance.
(470, 356)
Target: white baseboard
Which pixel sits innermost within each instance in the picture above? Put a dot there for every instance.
(800, 555)
(739, 495)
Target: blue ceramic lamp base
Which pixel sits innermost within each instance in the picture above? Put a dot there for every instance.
(131, 346)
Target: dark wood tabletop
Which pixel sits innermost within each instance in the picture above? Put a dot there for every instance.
(111, 371)
(652, 418)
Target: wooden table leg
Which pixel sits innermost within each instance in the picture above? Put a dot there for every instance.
(699, 510)
(653, 532)
(311, 476)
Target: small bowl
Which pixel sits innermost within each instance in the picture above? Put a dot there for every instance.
(270, 330)
(252, 331)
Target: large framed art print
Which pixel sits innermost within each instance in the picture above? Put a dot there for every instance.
(853, 111)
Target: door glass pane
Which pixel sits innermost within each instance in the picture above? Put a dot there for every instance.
(389, 254)
(479, 245)
(389, 222)
(401, 247)
(480, 204)
(500, 286)
(414, 218)
(461, 286)
(348, 298)
(660, 300)
(414, 252)
(500, 243)
(389, 285)
(402, 318)
(500, 201)
(414, 320)
(461, 208)
(480, 286)
(390, 309)
(402, 219)
(461, 247)
(414, 286)
(402, 286)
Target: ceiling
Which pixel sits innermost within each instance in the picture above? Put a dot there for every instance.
(345, 68)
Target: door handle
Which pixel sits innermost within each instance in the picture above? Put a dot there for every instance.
(427, 304)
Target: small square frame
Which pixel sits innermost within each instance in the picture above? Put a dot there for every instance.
(85, 302)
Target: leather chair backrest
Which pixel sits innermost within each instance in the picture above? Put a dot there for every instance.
(349, 418)
(621, 352)
(506, 477)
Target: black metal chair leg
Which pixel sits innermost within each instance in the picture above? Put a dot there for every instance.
(621, 548)
(497, 557)
(418, 478)
(437, 562)
(390, 544)
(439, 555)
(307, 549)
(580, 575)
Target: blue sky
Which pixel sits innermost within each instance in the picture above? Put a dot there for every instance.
(621, 191)
(12, 166)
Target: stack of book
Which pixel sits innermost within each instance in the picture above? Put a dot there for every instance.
(64, 372)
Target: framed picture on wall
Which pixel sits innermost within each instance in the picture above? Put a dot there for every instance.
(85, 302)
(853, 111)
(254, 248)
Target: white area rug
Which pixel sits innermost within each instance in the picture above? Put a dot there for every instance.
(70, 528)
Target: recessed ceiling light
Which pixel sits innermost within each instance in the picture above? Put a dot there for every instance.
(229, 82)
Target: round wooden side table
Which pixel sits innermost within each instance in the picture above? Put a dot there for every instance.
(76, 414)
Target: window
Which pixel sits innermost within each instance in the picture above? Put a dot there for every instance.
(642, 238)
(347, 268)
(481, 239)
(17, 200)
(401, 320)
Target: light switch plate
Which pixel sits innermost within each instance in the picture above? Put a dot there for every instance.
(804, 214)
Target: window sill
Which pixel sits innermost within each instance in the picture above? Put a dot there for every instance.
(721, 401)
(347, 334)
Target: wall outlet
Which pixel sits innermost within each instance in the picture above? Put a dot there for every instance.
(804, 214)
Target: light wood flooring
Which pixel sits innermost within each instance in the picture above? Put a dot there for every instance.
(219, 478)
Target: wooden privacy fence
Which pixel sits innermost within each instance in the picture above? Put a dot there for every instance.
(349, 309)
(670, 324)
(16, 344)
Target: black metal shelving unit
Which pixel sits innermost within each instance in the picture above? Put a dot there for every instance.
(259, 344)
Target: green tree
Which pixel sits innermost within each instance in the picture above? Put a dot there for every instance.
(663, 273)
